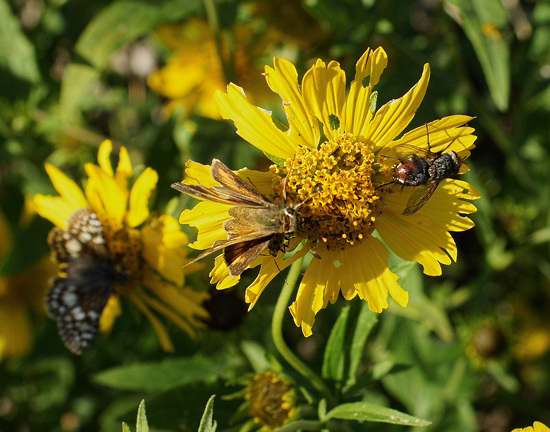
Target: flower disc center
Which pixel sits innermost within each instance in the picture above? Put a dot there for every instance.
(333, 182)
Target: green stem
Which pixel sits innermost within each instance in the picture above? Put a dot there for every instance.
(277, 333)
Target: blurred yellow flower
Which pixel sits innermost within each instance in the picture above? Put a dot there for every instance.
(271, 400)
(108, 245)
(338, 176)
(537, 427)
(20, 293)
(195, 71)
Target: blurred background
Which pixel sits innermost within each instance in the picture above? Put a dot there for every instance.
(470, 353)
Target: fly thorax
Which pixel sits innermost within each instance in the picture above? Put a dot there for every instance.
(445, 166)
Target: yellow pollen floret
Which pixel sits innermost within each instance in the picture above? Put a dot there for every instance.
(339, 203)
(125, 247)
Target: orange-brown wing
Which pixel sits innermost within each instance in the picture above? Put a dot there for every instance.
(217, 194)
(238, 256)
(262, 221)
(232, 181)
(221, 244)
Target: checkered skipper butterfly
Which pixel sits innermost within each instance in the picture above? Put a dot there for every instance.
(77, 300)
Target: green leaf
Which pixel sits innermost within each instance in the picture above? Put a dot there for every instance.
(365, 411)
(16, 52)
(481, 21)
(280, 162)
(121, 23)
(207, 423)
(125, 427)
(162, 375)
(141, 421)
(365, 323)
(333, 363)
(114, 27)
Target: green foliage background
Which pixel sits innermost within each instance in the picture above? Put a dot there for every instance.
(60, 97)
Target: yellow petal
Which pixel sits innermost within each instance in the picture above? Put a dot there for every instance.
(270, 267)
(309, 299)
(357, 114)
(56, 209)
(220, 275)
(181, 306)
(112, 197)
(365, 267)
(254, 124)
(201, 174)
(208, 217)
(109, 315)
(361, 270)
(67, 188)
(160, 330)
(124, 168)
(392, 118)
(445, 134)
(162, 248)
(325, 89)
(303, 126)
(139, 197)
(104, 157)
(423, 236)
(15, 331)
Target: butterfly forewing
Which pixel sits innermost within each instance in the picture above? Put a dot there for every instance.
(77, 299)
(254, 220)
(223, 175)
(239, 255)
(84, 237)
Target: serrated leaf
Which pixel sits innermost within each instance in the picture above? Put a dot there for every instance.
(333, 362)
(141, 421)
(16, 52)
(207, 423)
(365, 411)
(481, 22)
(164, 375)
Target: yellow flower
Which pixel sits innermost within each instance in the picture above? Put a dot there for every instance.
(20, 292)
(127, 252)
(195, 71)
(537, 427)
(339, 177)
(271, 400)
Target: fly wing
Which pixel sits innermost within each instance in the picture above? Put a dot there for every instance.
(238, 256)
(232, 181)
(405, 151)
(419, 197)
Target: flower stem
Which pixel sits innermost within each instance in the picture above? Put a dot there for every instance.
(277, 333)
